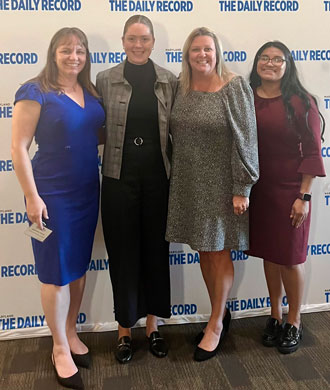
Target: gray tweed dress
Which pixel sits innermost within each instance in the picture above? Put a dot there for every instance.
(215, 156)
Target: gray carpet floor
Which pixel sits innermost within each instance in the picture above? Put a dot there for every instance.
(241, 364)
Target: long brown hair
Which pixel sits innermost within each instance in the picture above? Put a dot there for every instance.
(48, 77)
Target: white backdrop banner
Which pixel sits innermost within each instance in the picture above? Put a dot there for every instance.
(26, 27)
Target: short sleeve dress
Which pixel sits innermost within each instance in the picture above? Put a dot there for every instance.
(284, 156)
(65, 169)
(215, 156)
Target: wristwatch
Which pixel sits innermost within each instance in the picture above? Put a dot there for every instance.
(305, 196)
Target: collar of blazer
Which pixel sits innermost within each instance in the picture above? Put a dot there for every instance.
(117, 74)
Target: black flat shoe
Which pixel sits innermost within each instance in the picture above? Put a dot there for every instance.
(201, 354)
(72, 382)
(225, 322)
(272, 332)
(124, 350)
(290, 338)
(157, 345)
(82, 360)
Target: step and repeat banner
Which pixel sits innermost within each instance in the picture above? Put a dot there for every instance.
(26, 27)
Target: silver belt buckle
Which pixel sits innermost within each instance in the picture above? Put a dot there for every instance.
(138, 141)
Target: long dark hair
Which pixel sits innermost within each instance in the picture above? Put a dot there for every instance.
(290, 84)
(47, 78)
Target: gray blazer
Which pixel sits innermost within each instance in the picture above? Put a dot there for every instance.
(116, 93)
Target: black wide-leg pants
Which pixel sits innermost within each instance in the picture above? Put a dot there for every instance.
(134, 212)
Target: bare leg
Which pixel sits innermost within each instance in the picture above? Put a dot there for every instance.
(76, 293)
(55, 302)
(123, 332)
(218, 273)
(275, 288)
(294, 280)
(151, 324)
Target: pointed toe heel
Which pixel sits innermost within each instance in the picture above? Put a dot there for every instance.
(72, 382)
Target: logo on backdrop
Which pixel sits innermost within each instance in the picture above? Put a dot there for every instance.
(319, 249)
(19, 270)
(40, 5)
(184, 309)
(326, 5)
(6, 110)
(326, 153)
(99, 265)
(18, 58)
(107, 57)
(8, 321)
(311, 55)
(6, 166)
(235, 304)
(327, 295)
(175, 56)
(10, 217)
(258, 5)
(183, 258)
(16, 270)
(151, 5)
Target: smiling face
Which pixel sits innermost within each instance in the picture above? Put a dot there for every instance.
(202, 55)
(70, 57)
(268, 71)
(138, 43)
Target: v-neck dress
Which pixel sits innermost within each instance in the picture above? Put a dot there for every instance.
(65, 169)
(215, 156)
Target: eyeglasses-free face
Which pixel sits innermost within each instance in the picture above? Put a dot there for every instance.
(271, 65)
(138, 43)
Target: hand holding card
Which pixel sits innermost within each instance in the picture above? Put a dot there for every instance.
(40, 235)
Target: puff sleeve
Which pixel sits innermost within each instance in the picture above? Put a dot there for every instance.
(242, 120)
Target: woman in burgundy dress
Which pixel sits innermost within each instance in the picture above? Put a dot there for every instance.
(289, 137)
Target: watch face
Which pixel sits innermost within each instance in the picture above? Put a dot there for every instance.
(306, 197)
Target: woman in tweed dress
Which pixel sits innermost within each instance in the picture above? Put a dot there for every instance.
(214, 165)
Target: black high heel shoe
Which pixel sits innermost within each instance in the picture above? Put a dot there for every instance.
(82, 360)
(225, 322)
(72, 382)
(201, 354)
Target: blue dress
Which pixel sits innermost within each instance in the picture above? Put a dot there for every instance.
(65, 170)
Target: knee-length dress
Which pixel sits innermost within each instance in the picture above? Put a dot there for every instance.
(284, 156)
(65, 169)
(214, 157)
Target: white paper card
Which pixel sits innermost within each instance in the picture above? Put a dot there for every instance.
(34, 232)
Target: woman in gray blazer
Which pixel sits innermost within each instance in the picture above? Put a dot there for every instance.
(137, 96)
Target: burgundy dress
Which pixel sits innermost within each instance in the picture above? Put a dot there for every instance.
(283, 158)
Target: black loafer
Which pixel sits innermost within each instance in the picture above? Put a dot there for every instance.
(72, 382)
(82, 360)
(290, 338)
(124, 350)
(157, 345)
(272, 332)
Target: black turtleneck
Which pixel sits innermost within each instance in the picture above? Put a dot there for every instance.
(142, 116)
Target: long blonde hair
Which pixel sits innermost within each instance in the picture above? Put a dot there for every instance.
(48, 77)
(221, 69)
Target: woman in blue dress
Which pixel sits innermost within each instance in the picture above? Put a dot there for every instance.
(61, 110)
